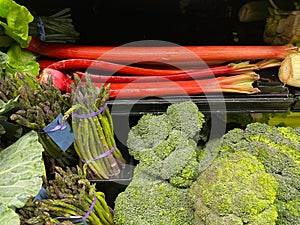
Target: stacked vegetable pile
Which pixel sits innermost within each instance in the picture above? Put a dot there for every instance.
(247, 176)
(277, 149)
(108, 65)
(29, 152)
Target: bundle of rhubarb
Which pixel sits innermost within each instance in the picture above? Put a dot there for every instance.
(145, 71)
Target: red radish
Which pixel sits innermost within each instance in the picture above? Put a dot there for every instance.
(60, 80)
(163, 54)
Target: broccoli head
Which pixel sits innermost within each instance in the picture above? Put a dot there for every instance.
(278, 149)
(235, 189)
(152, 129)
(166, 145)
(152, 201)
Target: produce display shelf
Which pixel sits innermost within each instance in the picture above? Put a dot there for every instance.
(230, 104)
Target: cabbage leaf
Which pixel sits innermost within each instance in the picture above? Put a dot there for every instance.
(8, 216)
(21, 171)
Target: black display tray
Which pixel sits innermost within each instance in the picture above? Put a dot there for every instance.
(115, 185)
(227, 103)
(274, 97)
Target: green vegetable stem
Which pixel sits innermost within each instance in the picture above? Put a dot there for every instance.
(93, 129)
(37, 106)
(68, 194)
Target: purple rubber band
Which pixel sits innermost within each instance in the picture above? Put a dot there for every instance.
(56, 128)
(88, 212)
(85, 116)
(111, 210)
(42, 29)
(100, 156)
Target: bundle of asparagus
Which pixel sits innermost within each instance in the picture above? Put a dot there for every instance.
(38, 105)
(69, 195)
(93, 129)
(57, 27)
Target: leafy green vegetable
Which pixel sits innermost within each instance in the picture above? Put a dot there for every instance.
(17, 21)
(8, 216)
(21, 60)
(21, 171)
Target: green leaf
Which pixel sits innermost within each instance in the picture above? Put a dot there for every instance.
(12, 131)
(17, 21)
(22, 60)
(7, 106)
(8, 216)
(21, 171)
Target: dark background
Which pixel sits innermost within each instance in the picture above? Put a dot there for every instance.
(115, 22)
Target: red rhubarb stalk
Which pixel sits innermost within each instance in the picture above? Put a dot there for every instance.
(241, 83)
(163, 54)
(186, 75)
(233, 84)
(44, 63)
(111, 67)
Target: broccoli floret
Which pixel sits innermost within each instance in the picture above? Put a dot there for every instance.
(147, 133)
(180, 166)
(272, 136)
(235, 189)
(152, 201)
(292, 134)
(186, 117)
(290, 210)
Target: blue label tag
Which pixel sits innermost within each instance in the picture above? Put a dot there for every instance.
(60, 133)
(41, 195)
